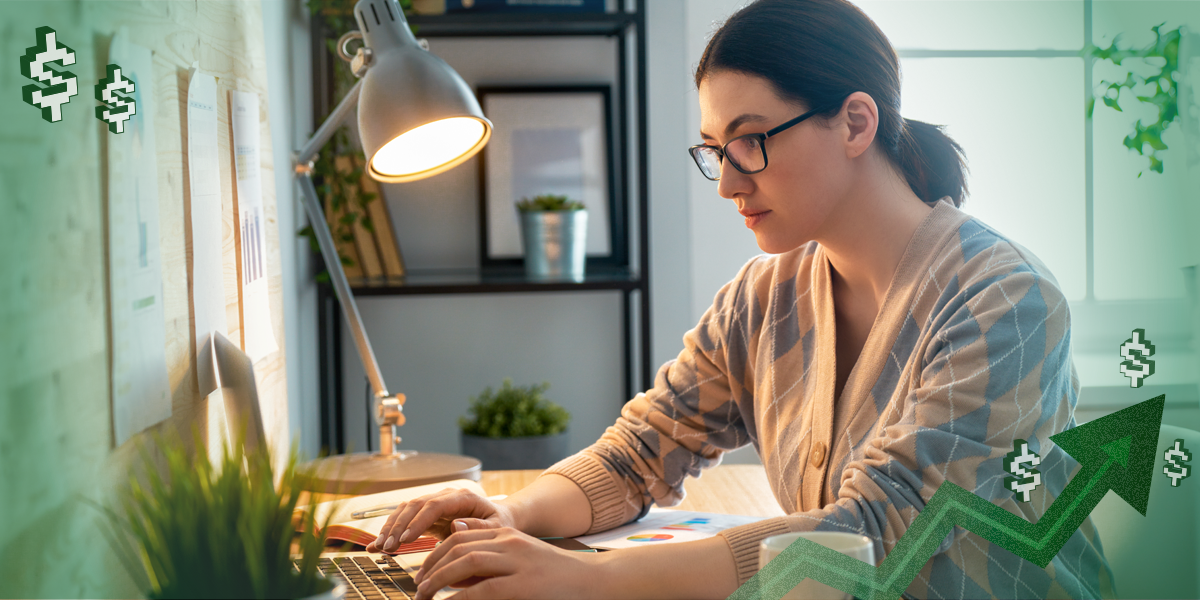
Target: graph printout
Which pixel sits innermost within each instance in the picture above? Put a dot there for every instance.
(256, 302)
(666, 526)
(141, 395)
(208, 288)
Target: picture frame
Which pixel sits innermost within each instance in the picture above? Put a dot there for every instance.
(550, 139)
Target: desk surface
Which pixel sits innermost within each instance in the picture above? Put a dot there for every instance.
(728, 489)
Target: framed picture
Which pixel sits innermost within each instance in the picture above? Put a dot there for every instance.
(549, 140)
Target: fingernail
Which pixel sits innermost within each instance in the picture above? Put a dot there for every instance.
(391, 541)
(460, 526)
(420, 574)
(379, 540)
(404, 536)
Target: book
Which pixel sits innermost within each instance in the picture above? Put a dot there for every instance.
(665, 526)
(364, 243)
(385, 235)
(364, 531)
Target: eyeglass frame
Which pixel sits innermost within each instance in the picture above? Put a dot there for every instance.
(762, 137)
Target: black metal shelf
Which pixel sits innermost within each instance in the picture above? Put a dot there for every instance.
(622, 278)
(521, 24)
(492, 281)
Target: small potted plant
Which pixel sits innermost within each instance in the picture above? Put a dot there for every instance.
(554, 236)
(205, 530)
(515, 428)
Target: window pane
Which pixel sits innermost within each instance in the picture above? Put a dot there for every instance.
(1140, 222)
(981, 25)
(1021, 125)
(1132, 20)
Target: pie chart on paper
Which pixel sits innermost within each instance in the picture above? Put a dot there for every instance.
(656, 537)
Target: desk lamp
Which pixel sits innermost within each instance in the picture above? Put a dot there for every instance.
(416, 118)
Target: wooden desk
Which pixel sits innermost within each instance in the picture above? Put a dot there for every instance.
(728, 489)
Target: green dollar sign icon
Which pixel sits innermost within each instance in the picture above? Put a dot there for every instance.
(60, 85)
(118, 108)
(1136, 351)
(1024, 480)
(1175, 468)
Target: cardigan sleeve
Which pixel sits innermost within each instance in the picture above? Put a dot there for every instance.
(676, 429)
(997, 369)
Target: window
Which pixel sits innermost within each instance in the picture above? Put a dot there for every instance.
(1009, 82)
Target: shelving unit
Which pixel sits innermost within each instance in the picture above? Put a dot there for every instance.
(629, 279)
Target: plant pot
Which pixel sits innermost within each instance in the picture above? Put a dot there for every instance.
(555, 243)
(534, 452)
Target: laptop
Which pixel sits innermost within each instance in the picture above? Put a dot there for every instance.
(364, 575)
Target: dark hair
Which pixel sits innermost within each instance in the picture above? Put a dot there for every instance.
(817, 52)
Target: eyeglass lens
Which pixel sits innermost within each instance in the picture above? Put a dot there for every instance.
(745, 153)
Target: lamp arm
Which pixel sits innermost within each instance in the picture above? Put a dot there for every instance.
(341, 286)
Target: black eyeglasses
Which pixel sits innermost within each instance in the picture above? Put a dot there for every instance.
(746, 153)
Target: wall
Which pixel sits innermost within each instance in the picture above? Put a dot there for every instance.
(289, 76)
(56, 443)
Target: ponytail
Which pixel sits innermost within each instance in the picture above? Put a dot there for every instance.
(933, 164)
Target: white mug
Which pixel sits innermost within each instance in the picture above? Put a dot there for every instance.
(850, 544)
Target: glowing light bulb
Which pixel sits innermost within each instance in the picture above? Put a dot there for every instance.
(430, 148)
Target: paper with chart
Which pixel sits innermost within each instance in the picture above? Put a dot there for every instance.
(256, 301)
(141, 394)
(662, 525)
(208, 291)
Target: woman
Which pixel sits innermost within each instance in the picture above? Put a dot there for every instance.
(888, 343)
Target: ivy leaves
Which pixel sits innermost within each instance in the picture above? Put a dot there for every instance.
(1164, 83)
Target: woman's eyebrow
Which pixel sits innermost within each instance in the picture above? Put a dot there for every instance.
(737, 122)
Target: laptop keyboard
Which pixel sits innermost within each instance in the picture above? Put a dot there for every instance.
(369, 578)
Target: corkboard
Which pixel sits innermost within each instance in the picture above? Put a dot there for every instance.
(226, 39)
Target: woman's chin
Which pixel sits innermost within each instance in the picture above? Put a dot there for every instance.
(776, 246)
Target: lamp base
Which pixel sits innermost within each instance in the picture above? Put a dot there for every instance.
(363, 473)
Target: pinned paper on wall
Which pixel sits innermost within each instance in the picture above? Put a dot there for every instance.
(141, 394)
(256, 301)
(208, 291)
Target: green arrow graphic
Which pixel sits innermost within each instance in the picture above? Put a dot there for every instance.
(1116, 452)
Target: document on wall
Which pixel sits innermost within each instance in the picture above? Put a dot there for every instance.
(141, 394)
(208, 291)
(256, 301)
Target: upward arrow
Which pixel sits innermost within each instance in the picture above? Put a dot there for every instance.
(1115, 452)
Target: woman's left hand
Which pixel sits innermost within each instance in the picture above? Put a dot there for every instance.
(506, 563)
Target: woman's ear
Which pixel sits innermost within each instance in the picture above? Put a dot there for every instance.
(862, 121)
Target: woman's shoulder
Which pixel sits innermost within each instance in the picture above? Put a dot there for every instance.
(979, 251)
(987, 272)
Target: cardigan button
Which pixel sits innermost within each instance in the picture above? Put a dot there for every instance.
(818, 455)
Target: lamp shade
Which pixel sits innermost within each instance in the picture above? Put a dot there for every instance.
(416, 115)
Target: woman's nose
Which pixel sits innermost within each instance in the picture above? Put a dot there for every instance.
(732, 181)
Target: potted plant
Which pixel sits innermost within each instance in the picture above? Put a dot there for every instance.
(515, 428)
(204, 530)
(554, 236)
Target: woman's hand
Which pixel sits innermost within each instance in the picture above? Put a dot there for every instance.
(505, 563)
(433, 513)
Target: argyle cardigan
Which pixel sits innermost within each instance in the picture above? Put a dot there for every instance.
(970, 351)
